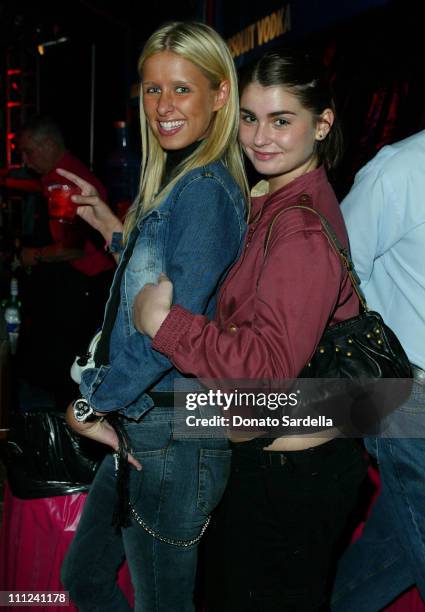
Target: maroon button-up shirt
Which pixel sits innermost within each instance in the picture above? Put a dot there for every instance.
(273, 308)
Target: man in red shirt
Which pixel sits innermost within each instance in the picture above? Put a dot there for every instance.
(70, 276)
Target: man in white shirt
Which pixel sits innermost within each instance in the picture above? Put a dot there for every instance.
(385, 217)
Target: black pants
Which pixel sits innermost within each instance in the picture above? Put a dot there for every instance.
(273, 541)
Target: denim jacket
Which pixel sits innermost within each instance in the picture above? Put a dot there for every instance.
(194, 236)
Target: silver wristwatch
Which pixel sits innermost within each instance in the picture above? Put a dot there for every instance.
(83, 412)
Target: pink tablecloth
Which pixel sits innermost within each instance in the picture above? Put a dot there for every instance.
(34, 537)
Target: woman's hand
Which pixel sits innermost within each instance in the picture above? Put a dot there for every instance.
(93, 210)
(100, 431)
(152, 305)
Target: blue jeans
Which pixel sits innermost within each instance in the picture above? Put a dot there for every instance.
(180, 484)
(389, 557)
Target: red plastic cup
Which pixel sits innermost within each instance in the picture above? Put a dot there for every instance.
(61, 207)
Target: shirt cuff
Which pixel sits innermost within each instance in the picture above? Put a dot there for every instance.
(116, 244)
(175, 326)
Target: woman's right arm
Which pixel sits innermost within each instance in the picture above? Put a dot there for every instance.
(296, 292)
(92, 209)
(205, 231)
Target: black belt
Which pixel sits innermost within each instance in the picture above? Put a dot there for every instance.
(251, 450)
(162, 399)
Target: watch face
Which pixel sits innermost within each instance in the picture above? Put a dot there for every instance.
(82, 410)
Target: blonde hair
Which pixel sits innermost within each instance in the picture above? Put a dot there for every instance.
(204, 47)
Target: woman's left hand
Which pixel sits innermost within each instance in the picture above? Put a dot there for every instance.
(152, 305)
(100, 431)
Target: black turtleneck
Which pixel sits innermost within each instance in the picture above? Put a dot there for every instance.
(174, 158)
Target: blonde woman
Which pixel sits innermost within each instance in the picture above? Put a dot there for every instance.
(188, 220)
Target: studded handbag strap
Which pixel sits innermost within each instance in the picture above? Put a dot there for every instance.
(342, 253)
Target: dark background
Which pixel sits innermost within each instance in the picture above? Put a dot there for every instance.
(118, 30)
(373, 50)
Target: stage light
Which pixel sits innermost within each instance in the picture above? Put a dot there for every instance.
(41, 48)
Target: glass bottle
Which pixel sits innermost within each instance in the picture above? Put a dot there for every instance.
(12, 315)
(122, 171)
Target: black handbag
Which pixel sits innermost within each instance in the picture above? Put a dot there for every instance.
(360, 361)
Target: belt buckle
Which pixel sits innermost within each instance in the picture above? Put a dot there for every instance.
(283, 459)
(275, 458)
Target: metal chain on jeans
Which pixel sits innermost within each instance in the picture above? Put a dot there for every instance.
(155, 534)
